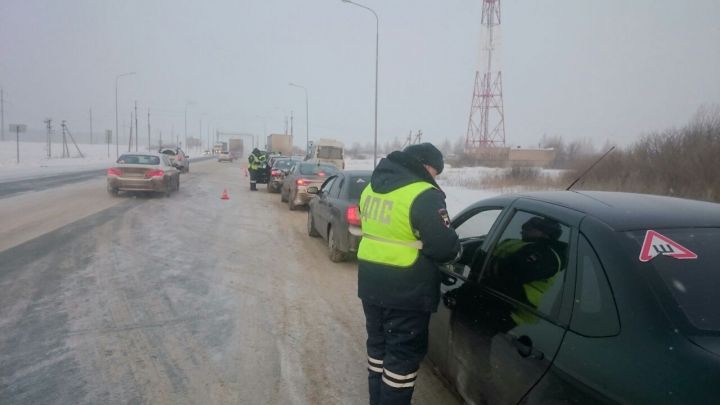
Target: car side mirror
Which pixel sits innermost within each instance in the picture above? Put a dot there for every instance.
(313, 190)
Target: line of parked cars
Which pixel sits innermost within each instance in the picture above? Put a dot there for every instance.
(332, 198)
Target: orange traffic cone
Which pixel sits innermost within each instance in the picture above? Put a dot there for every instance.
(224, 195)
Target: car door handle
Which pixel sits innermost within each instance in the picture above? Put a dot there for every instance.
(524, 346)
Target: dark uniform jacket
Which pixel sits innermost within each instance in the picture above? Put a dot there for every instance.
(417, 287)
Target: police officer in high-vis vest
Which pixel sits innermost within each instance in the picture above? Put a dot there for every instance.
(406, 234)
(256, 161)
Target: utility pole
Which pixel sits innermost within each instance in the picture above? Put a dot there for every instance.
(91, 132)
(137, 141)
(2, 116)
(130, 141)
(149, 141)
(48, 124)
(66, 150)
(292, 139)
(67, 130)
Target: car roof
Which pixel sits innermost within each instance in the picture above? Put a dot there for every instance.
(357, 173)
(629, 211)
(141, 154)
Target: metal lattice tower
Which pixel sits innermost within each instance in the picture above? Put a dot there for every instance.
(486, 125)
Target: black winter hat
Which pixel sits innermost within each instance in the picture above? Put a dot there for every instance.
(427, 154)
(545, 225)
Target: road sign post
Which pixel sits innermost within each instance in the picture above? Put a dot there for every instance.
(18, 128)
(108, 140)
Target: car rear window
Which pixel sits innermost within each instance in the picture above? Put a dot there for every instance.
(283, 164)
(138, 160)
(692, 282)
(357, 185)
(311, 169)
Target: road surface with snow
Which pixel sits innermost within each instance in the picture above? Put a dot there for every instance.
(187, 299)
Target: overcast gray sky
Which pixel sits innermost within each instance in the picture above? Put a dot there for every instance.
(608, 69)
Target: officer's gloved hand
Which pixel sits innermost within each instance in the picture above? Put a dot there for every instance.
(457, 258)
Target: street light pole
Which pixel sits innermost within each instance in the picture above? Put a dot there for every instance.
(377, 47)
(117, 134)
(307, 119)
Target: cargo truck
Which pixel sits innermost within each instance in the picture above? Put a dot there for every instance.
(235, 147)
(280, 144)
(327, 151)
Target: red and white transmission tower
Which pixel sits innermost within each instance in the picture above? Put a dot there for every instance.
(486, 125)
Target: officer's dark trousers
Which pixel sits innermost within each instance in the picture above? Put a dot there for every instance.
(253, 178)
(397, 342)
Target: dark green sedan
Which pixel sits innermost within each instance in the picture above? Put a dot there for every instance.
(582, 298)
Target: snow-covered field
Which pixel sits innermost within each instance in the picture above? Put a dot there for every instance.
(451, 180)
(460, 184)
(34, 161)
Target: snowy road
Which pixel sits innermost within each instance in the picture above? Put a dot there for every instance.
(181, 300)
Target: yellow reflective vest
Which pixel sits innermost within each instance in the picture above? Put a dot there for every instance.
(534, 290)
(257, 161)
(387, 234)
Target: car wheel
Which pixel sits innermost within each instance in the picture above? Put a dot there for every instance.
(177, 184)
(335, 254)
(291, 202)
(168, 189)
(311, 226)
(113, 191)
(283, 198)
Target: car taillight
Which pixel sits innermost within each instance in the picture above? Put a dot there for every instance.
(114, 171)
(154, 173)
(302, 182)
(275, 173)
(352, 214)
(321, 174)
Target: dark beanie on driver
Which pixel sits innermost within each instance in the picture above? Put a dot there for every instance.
(427, 154)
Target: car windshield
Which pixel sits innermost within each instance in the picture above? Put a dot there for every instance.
(312, 169)
(139, 160)
(692, 281)
(357, 185)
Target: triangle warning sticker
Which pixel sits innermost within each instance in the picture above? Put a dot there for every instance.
(656, 244)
